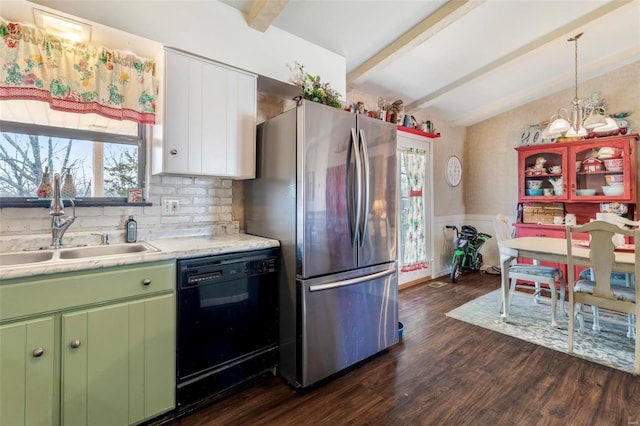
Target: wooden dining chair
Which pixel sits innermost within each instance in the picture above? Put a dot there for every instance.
(617, 279)
(538, 274)
(600, 291)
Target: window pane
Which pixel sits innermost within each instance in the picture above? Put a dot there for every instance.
(121, 169)
(99, 169)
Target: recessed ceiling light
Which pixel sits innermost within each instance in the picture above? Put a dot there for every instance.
(61, 26)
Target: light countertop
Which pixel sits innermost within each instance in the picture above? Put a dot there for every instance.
(168, 248)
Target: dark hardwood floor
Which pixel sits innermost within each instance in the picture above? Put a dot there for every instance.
(444, 372)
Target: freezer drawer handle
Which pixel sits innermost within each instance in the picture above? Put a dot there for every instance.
(352, 281)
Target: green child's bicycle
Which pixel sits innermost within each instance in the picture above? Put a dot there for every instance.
(466, 256)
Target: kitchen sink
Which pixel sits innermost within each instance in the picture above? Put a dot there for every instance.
(75, 253)
(21, 258)
(106, 250)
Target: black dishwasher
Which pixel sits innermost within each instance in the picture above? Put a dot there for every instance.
(227, 332)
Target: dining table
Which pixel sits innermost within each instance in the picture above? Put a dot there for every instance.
(551, 250)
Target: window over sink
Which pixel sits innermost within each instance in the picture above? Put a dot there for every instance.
(106, 157)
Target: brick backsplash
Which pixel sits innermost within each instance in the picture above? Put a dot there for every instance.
(206, 206)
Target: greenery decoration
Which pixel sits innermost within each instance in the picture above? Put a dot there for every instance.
(312, 89)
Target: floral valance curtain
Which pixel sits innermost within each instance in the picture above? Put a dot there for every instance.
(414, 254)
(75, 77)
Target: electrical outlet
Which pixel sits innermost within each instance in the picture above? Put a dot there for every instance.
(166, 207)
(170, 207)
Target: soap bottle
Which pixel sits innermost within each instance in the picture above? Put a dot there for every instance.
(131, 230)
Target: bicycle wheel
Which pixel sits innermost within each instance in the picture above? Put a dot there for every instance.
(456, 269)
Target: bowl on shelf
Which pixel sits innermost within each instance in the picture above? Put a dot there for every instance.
(534, 184)
(585, 192)
(534, 191)
(614, 179)
(609, 152)
(613, 164)
(613, 190)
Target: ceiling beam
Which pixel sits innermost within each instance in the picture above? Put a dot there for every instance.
(262, 13)
(522, 51)
(427, 28)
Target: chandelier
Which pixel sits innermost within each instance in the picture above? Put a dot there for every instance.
(574, 126)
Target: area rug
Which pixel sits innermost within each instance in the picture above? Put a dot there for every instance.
(531, 322)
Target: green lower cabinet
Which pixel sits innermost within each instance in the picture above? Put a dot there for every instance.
(27, 372)
(116, 369)
(88, 348)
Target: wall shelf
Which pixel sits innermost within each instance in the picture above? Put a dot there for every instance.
(419, 132)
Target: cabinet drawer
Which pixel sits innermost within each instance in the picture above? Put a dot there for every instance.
(25, 297)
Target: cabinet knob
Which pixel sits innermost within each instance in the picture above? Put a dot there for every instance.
(173, 151)
(38, 352)
(146, 281)
(75, 343)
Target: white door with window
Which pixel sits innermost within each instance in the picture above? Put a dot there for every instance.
(416, 208)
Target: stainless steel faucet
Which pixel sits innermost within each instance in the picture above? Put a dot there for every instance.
(56, 211)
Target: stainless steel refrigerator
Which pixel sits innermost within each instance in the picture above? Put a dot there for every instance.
(326, 185)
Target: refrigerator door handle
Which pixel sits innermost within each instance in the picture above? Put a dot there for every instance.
(349, 191)
(351, 281)
(365, 177)
(354, 185)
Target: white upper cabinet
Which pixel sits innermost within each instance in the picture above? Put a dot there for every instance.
(208, 122)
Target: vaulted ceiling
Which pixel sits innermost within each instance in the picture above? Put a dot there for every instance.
(465, 60)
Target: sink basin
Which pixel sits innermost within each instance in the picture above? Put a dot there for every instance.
(21, 258)
(75, 253)
(106, 250)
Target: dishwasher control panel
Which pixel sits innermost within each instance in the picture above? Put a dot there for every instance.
(222, 268)
(262, 266)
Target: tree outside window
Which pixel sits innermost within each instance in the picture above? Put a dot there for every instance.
(105, 168)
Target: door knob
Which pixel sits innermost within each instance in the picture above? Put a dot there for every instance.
(75, 343)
